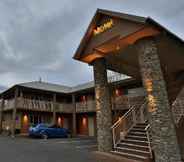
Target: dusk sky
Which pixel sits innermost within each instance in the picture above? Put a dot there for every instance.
(39, 37)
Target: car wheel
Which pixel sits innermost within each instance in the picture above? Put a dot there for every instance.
(44, 136)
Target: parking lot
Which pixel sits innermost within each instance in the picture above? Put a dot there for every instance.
(23, 149)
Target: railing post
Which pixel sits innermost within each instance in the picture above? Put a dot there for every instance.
(142, 119)
(134, 116)
(74, 131)
(1, 114)
(54, 108)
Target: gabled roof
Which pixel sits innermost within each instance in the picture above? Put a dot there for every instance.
(56, 88)
(46, 86)
(133, 18)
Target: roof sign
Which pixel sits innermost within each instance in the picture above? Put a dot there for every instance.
(102, 28)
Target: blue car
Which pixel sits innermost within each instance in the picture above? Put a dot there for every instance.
(44, 131)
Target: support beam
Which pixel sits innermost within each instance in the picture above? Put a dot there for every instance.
(14, 113)
(74, 129)
(54, 109)
(1, 113)
(103, 106)
(164, 139)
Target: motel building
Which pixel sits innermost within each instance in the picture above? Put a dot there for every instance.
(140, 118)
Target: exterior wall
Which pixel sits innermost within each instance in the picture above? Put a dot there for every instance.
(7, 120)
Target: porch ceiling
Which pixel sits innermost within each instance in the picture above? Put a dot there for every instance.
(171, 55)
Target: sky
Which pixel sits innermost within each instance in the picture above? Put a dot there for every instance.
(38, 38)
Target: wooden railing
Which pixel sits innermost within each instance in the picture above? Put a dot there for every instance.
(127, 121)
(37, 105)
(120, 103)
(88, 106)
(64, 107)
(34, 105)
(8, 104)
(125, 102)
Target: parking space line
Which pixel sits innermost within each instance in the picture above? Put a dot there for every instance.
(85, 146)
(75, 141)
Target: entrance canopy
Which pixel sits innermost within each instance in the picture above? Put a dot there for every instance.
(113, 36)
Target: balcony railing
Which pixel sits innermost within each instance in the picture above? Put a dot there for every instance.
(8, 104)
(64, 107)
(125, 102)
(37, 105)
(88, 106)
(34, 105)
(119, 103)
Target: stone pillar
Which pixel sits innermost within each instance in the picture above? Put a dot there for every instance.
(13, 127)
(164, 140)
(103, 106)
(54, 109)
(74, 131)
(1, 114)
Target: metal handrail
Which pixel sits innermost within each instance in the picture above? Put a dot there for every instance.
(121, 126)
(149, 140)
(126, 114)
(177, 109)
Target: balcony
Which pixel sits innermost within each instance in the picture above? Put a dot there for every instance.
(64, 107)
(37, 105)
(8, 104)
(119, 103)
(125, 102)
(88, 106)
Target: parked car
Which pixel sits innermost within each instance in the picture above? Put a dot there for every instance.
(44, 131)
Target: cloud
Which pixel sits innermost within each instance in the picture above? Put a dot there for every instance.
(39, 38)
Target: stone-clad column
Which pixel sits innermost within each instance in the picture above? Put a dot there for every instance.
(1, 114)
(54, 109)
(103, 106)
(74, 116)
(164, 140)
(13, 127)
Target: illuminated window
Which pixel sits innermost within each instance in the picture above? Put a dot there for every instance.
(83, 98)
(25, 119)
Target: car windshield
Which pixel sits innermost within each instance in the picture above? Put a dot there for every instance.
(41, 126)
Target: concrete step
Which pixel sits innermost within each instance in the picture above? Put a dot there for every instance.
(134, 137)
(133, 151)
(131, 156)
(141, 124)
(133, 146)
(136, 142)
(140, 127)
(137, 133)
(134, 129)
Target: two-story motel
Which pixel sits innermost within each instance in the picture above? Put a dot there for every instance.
(26, 104)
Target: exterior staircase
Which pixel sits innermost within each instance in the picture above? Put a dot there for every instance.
(131, 135)
(135, 144)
